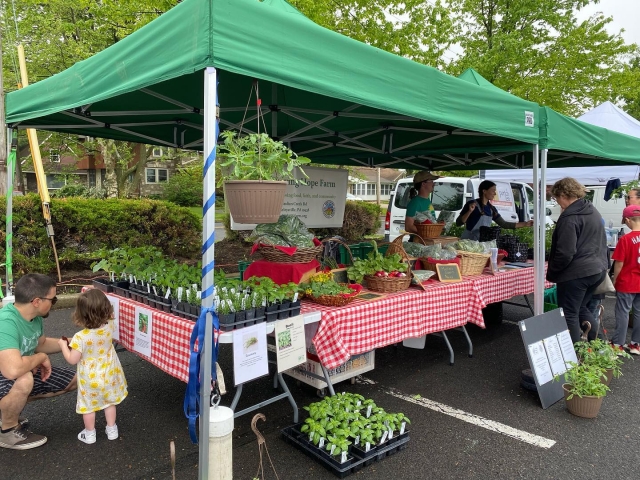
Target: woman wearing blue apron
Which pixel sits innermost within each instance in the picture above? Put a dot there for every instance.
(480, 213)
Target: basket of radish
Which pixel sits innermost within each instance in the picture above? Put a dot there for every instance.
(382, 273)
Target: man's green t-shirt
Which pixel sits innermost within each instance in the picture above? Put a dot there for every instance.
(419, 204)
(17, 333)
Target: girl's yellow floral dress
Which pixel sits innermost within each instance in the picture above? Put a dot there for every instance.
(101, 381)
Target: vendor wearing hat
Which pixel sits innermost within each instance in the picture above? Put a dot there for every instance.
(479, 213)
(420, 201)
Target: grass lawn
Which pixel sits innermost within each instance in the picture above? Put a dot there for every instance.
(219, 212)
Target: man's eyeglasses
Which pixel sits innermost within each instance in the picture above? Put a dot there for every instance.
(53, 300)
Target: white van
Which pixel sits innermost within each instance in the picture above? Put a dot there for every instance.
(611, 211)
(514, 202)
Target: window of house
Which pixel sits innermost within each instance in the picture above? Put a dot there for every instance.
(55, 181)
(371, 188)
(386, 188)
(360, 189)
(157, 153)
(54, 156)
(92, 178)
(157, 175)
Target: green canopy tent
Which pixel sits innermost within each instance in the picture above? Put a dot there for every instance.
(329, 97)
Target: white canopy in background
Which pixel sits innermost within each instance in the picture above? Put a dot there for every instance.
(606, 115)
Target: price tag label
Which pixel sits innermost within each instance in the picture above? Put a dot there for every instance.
(390, 434)
(311, 437)
(333, 447)
(367, 447)
(343, 457)
(384, 437)
(357, 440)
(321, 445)
(402, 427)
(166, 295)
(368, 411)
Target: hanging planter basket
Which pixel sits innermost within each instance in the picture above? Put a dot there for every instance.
(255, 201)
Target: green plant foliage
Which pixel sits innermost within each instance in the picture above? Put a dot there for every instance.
(375, 262)
(83, 226)
(601, 353)
(360, 219)
(585, 379)
(256, 157)
(185, 187)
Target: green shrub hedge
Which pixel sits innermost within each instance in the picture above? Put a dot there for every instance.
(84, 225)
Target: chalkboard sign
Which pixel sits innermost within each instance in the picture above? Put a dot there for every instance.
(448, 272)
(340, 275)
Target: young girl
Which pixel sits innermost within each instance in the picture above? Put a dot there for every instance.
(101, 382)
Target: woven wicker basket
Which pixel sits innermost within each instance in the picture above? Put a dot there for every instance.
(396, 245)
(337, 300)
(472, 263)
(387, 284)
(301, 255)
(429, 230)
(427, 265)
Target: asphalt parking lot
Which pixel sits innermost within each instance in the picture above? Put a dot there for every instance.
(471, 420)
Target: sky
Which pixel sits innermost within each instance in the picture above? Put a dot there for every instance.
(625, 13)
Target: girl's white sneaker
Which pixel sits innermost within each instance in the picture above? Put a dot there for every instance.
(87, 436)
(112, 432)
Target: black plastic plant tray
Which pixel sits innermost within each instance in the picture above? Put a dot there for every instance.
(293, 436)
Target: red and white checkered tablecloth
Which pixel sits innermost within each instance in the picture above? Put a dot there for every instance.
(362, 326)
(505, 285)
(170, 338)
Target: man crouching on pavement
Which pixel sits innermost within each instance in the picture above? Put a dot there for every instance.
(25, 370)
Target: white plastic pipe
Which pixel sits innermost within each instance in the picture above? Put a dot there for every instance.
(220, 443)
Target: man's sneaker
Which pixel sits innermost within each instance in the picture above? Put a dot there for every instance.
(20, 438)
(112, 432)
(634, 348)
(22, 421)
(619, 349)
(87, 436)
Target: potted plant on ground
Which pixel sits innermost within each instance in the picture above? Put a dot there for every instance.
(584, 389)
(255, 170)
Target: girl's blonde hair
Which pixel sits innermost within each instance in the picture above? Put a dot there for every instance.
(569, 188)
(93, 309)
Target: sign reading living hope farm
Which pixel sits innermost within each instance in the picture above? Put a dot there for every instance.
(319, 203)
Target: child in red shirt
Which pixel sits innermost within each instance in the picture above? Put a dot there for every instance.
(626, 279)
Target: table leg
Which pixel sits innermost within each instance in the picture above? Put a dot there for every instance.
(464, 330)
(289, 396)
(332, 392)
(446, 340)
(236, 397)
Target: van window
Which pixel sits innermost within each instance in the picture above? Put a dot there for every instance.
(589, 195)
(402, 195)
(448, 196)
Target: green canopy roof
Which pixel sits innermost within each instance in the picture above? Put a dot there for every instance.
(573, 142)
(332, 98)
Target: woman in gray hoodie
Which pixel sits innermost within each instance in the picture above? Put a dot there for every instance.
(578, 258)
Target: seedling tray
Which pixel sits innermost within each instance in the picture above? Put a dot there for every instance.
(358, 460)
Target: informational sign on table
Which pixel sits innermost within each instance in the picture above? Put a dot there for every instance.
(115, 303)
(549, 350)
(250, 353)
(319, 203)
(291, 347)
(142, 328)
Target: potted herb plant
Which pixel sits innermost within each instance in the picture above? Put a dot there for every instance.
(255, 170)
(584, 389)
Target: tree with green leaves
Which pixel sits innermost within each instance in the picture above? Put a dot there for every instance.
(538, 50)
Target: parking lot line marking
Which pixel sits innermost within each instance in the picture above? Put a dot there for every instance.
(491, 425)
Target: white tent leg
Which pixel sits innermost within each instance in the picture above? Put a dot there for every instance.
(538, 218)
(208, 230)
(542, 228)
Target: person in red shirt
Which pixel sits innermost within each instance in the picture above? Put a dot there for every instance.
(626, 279)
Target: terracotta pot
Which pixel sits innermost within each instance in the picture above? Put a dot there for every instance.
(586, 407)
(255, 201)
(609, 374)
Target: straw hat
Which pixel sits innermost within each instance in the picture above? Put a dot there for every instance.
(424, 175)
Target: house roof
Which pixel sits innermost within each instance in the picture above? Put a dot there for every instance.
(387, 175)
